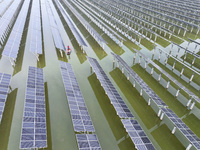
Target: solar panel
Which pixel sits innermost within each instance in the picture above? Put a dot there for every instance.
(34, 133)
(7, 20)
(71, 25)
(4, 87)
(116, 100)
(12, 46)
(36, 36)
(54, 29)
(142, 84)
(169, 76)
(79, 113)
(88, 142)
(137, 135)
(191, 136)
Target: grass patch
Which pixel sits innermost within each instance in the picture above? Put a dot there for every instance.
(168, 141)
(187, 72)
(193, 123)
(137, 102)
(150, 46)
(110, 113)
(165, 95)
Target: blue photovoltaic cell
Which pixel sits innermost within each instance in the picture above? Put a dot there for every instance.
(88, 141)
(80, 116)
(118, 103)
(191, 136)
(36, 35)
(54, 29)
(137, 135)
(4, 87)
(34, 134)
(12, 46)
(137, 78)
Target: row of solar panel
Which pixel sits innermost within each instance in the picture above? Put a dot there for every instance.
(72, 27)
(134, 130)
(80, 116)
(12, 46)
(4, 87)
(119, 105)
(7, 19)
(170, 77)
(173, 117)
(36, 36)
(33, 133)
(54, 28)
(143, 85)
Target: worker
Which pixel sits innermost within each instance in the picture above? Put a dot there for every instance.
(68, 50)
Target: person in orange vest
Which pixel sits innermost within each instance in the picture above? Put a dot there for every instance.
(68, 50)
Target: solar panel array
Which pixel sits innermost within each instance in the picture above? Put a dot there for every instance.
(120, 107)
(71, 25)
(34, 133)
(88, 27)
(116, 100)
(142, 84)
(4, 6)
(54, 29)
(4, 87)
(182, 127)
(36, 36)
(12, 46)
(7, 19)
(137, 135)
(169, 76)
(79, 113)
(88, 142)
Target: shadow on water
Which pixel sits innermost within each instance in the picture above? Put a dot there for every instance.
(81, 56)
(20, 56)
(110, 114)
(64, 58)
(7, 119)
(49, 141)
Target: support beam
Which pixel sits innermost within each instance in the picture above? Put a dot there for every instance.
(188, 103)
(141, 92)
(168, 83)
(177, 92)
(162, 115)
(192, 106)
(189, 146)
(149, 102)
(192, 77)
(159, 112)
(174, 129)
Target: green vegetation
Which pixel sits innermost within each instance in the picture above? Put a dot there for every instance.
(164, 94)
(137, 102)
(110, 114)
(187, 72)
(168, 141)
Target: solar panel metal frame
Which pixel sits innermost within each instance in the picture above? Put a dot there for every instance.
(79, 113)
(34, 132)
